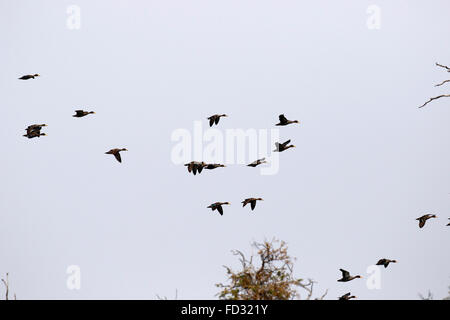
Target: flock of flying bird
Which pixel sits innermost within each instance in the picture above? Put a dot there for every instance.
(33, 131)
(196, 166)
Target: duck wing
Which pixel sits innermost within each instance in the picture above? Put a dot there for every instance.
(284, 144)
(421, 222)
(282, 118)
(345, 273)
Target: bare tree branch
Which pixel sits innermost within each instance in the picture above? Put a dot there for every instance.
(6, 283)
(431, 99)
(442, 66)
(429, 297)
(165, 298)
(443, 82)
(323, 296)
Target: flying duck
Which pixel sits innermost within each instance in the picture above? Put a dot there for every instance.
(257, 162)
(385, 262)
(280, 147)
(214, 119)
(214, 166)
(34, 134)
(284, 121)
(35, 127)
(346, 276)
(252, 202)
(116, 153)
(28, 76)
(347, 296)
(218, 206)
(195, 166)
(424, 219)
(82, 113)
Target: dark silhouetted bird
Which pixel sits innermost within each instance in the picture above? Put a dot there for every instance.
(34, 134)
(195, 166)
(35, 127)
(28, 76)
(424, 219)
(214, 166)
(218, 206)
(347, 296)
(82, 113)
(214, 119)
(116, 153)
(284, 121)
(257, 162)
(449, 222)
(280, 147)
(346, 276)
(385, 262)
(252, 202)
(34, 131)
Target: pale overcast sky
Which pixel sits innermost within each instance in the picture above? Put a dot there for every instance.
(367, 162)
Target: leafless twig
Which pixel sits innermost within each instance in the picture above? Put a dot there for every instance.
(165, 298)
(323, 296)
(431, 99)
(438, 85)
(442, 66)
(6, 283)
(429, 297)
(443, 82)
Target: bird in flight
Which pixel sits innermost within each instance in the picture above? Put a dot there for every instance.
(449, 222)
(34, 131)
(116, 153)
(252, 202)
(214, 166)
(214, 119)
(257, 162)
(218, 206)
(82, 113)
(284, 121)
(424, 219)
(385, 262)
(346, 276)
(280, 147)
(35, 127)
(29, 76)
(195, 166)
(347, 296)
(34, 134)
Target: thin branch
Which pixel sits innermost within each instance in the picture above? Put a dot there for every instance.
(323, 296)
(443, 82)
(431, 99)
(310, 291)
(442, 66)
(429, 297)
(6, 283)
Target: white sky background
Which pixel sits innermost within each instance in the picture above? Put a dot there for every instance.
(367, 162)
